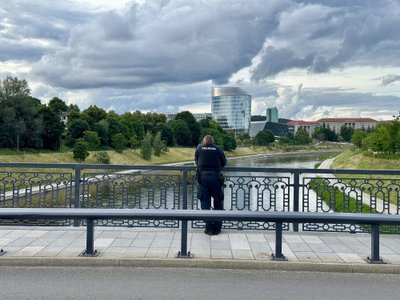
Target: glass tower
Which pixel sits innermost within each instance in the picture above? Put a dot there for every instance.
(231, 108)
(272, 115)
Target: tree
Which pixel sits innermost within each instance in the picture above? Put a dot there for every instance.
(182, 134)
(95, 114)
(102, 158)
(119, 142)
(193, 126)
(346, 132)
(288, 139)
(145, 149)
(358, 138)
(302, 137)
(92, 139)
(325, 134)
(158, 145)
(57, 105)
(53, 128)
(12, 87)
(75, 129)
(167, 133)
(80, 150)
(229, 142)
(134, 142)
(243, 139)
(21, 124)
(264, 138)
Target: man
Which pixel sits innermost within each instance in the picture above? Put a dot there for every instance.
(210, 159)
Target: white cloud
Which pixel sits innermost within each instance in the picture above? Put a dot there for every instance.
(309, 58)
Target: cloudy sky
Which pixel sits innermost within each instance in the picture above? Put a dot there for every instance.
(310, 59)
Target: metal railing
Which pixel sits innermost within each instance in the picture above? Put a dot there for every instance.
(24, 185)
(90, 215)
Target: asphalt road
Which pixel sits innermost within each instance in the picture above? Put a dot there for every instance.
(179, 283)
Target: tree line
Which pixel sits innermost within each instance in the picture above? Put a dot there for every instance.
(384, 139)
(26, 122)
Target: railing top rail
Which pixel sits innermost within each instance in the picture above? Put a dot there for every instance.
(266, 216)
(192, 168)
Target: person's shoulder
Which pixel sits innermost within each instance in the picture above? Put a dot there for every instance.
(218, 147)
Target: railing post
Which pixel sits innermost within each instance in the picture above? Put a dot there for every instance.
(77, 185)
(90, 251)
(374, 259)
(183, 253)
(278, 243)
(296, 194)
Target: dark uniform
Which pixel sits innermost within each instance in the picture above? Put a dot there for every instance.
(210, 159)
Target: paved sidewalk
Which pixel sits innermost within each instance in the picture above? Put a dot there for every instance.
(231, 249)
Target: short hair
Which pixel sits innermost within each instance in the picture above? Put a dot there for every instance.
(208, 139)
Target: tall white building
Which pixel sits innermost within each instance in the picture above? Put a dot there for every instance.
(231, 108)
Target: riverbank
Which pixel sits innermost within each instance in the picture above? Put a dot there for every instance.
(174, 155)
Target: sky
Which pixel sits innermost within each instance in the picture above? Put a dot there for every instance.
(310, 59)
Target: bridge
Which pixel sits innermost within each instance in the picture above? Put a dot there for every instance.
(246, 241)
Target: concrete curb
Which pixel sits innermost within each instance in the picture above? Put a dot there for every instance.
(199, 263)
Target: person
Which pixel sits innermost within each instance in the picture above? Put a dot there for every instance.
(210, 159)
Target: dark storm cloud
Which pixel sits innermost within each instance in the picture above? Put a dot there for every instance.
(163, 54)
(28, 30)
(329, 35)
(163, 42)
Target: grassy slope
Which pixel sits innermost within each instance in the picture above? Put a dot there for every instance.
(351, 159)
(175, 154)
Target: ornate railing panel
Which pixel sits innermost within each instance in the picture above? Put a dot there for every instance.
(174, 187)
(137, 190)
(350, 195)
(19, 189)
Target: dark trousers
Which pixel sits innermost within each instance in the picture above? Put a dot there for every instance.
(210, 186)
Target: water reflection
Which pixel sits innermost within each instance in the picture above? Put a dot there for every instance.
(265, 190)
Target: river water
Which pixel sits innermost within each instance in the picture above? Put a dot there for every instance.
(279, 160)
(268, 190)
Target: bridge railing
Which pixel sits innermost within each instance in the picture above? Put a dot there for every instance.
(91, 215)
(31, 185)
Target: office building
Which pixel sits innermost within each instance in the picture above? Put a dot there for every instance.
(272, 115)
(231, 108)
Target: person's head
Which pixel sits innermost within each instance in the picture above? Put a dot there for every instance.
(208, 139)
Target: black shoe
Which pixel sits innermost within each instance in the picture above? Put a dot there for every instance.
(208, 232)
(216, 231)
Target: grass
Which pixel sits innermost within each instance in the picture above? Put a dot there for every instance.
(336, 199)
(361, 160)
(133, 157)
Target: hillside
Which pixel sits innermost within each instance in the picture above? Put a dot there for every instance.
(353, 159)
(175, 154)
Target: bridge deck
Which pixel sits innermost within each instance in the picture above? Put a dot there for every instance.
(231, 249)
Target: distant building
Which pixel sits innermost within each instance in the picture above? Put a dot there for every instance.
(278, 129)
(231, 108)
(334, 124)
(197, 116)
(306, 125)
(272, 115)
(64, 116)
(202, 116)
(256, 127)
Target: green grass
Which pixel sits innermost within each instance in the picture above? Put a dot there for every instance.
(362, 160)
(336, 199)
